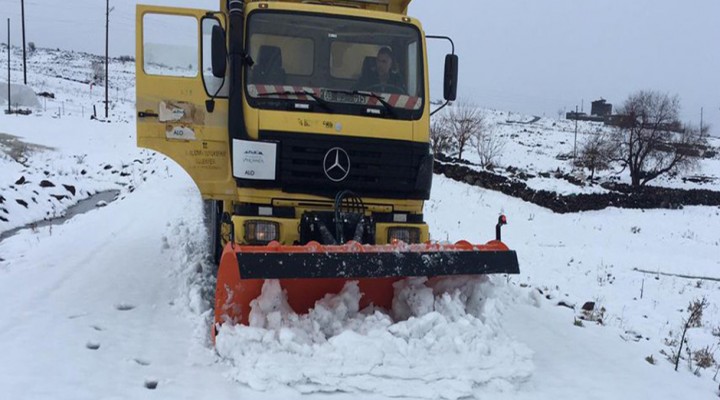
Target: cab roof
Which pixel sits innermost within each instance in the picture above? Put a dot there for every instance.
(393, 6)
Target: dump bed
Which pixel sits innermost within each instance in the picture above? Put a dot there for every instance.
(393, 6)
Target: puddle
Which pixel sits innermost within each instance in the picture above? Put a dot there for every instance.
(97, 200)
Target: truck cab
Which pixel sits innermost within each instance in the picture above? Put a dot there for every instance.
(299, 121)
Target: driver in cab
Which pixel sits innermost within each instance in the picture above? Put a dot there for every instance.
(384, 76)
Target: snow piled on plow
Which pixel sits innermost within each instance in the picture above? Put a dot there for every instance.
(442, 339)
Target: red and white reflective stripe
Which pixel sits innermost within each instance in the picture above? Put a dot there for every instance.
(280, 91)
(395, 100)
(413, 103)
(400, 101)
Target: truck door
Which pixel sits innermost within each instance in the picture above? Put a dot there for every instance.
(173, 83)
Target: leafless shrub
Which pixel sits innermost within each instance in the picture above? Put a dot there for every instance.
(440, 137)
(716, 331)
(98, 71)
(80, 158)
(464, 121)
(704, 358)
(490, 146)
(596, 153)
(695, 310)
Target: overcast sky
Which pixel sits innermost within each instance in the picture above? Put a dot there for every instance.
(529, 56)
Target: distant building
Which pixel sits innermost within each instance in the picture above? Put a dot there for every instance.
(581, 116)
(601, 108)
(599, 111)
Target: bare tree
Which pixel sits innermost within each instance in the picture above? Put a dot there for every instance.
(650, 141)
(489, 145)
(464, 122)
(596, 153)
(440, 136)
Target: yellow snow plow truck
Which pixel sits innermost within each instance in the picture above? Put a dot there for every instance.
(305, 125)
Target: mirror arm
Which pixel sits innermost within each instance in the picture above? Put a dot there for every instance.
(452, 44)
(439, 108)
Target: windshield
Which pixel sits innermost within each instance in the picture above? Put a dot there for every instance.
(334, 64)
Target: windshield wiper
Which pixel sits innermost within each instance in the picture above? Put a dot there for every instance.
(390, 109)
(322, 102)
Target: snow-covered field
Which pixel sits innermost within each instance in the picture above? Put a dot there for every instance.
(114, 303)
(540, 147)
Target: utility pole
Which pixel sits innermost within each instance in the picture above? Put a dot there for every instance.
(9, 110)
(575, 142)
(107, 34)
(22, 5)
(701, 120)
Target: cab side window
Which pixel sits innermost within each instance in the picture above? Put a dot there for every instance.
(170, 45)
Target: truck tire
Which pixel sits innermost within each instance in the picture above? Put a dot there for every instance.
(212, 212)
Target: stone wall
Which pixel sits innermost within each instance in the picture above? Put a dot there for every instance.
(620, 195)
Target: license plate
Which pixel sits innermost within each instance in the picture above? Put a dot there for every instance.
(338, 97)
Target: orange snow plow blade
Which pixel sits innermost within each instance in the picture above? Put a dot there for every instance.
(311, 271)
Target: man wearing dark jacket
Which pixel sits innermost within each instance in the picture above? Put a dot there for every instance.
(384, 77)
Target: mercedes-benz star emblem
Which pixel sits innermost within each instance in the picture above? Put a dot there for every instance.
(336, 164)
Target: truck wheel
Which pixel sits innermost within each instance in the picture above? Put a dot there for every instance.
(212, 210)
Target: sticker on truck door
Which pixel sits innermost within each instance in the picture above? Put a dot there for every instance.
(180, 111)
(179, 132)
(254, 160)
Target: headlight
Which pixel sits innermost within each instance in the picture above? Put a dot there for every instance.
(261, 232)
(407, 235)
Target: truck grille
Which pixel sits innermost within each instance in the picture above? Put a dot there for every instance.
(379, 167)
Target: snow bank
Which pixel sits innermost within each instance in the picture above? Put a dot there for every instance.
(446, 342)
(20, 95)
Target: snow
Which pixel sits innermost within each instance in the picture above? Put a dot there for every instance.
(448, 346)
(20, 96)
(116, 302)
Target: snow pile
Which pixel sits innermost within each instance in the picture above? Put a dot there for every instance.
(20, 96)
(186, 243)
(450, 346)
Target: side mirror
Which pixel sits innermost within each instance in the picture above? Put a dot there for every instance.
(219, 52)
(451, 77)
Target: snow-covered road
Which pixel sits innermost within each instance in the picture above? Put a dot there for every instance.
(88, 305)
